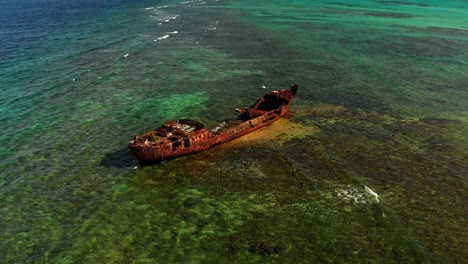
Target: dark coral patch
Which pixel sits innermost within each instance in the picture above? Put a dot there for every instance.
(342, 4)
(402, 3)
(265, 248)
(455, 32)
(258, 243)
(388, 14)
(425, 47)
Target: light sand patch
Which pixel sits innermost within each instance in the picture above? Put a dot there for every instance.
(280, 131)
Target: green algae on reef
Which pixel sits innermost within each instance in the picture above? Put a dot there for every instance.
(381, 111)
(206, 224)
(231, 203)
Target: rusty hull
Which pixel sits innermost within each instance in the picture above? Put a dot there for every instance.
(180, 137)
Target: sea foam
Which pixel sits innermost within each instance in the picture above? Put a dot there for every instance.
(161, 38)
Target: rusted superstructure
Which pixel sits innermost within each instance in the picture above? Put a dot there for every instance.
(180, 137)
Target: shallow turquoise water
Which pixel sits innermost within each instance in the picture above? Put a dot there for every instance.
(382, 103)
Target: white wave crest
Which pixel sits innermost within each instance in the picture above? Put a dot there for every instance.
(372, 193)
(161, 38)
(356, 195)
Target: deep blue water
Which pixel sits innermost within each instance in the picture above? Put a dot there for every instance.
(382, 109)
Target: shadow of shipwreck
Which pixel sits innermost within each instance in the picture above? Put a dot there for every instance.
(121, 158)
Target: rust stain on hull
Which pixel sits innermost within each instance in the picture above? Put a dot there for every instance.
(181, 137)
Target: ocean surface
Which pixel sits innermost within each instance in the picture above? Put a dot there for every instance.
(369, 166)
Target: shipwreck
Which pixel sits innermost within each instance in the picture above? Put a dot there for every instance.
(181, 137)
